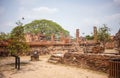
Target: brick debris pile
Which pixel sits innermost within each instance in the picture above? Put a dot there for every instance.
(98, 62)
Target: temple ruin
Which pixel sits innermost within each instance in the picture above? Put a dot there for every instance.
(77, 36)
(65, 43)
(79, 52)
(117, 41)
(95, 33)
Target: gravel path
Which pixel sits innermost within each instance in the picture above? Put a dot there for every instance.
(43, 69)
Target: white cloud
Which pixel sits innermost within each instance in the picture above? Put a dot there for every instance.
(37, 13)
(8, 26)
(2, 10)
(112, 21)
(90, 21)
(117, 1)
(45, 10)
(25, 2)
(113, 18)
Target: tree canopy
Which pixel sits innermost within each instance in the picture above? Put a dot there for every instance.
(46, 27)
(17, 44)
(89, 37)
(103, 34)
(3, 36)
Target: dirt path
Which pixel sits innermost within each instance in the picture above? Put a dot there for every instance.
(43, 69)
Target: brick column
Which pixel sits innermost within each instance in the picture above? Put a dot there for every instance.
(77, 35)
(95, 33)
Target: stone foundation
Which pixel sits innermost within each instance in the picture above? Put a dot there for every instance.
(97, 62)
(42, 50)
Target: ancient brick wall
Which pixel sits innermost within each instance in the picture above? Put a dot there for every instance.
(98, 62)
(42, 50)
(34, 37)
(109, 45)
(117, 40)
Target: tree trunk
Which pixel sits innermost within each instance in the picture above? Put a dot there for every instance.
(17, 62)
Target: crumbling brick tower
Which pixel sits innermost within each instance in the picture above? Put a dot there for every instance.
(117, 41)
(95, 33)
(77, 35)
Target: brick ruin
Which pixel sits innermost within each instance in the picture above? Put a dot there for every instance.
(117, 41)
(111, 43)
(39, 42)
(95, 33)
(3, 50)
(94, 61)
(34, 37)
(81, 53)
(91, 55)
(77, 36)
(97, 62)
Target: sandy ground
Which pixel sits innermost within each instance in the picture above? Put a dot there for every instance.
(43, 69)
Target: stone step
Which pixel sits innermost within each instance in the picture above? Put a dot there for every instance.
(53, 58)
(53, 61)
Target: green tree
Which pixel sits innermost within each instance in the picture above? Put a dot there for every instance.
(46, 27)
(17, 44)
(103, 34)
(3, 36)
(88, 37)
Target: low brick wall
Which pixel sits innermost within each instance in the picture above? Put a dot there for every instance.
(42, 50)
(97, 62)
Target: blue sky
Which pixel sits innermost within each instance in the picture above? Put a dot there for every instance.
(70, 14)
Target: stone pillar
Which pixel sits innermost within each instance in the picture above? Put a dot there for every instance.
(95, 33)
(77, 35)
(53, 37)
